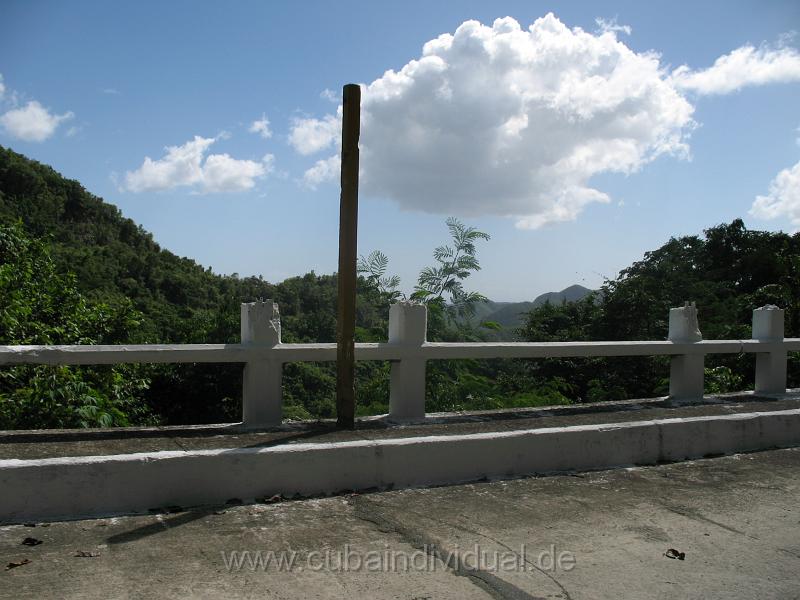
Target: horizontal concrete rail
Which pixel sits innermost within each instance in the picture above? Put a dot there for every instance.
(109, 355)
(242, 353)
(431, 350)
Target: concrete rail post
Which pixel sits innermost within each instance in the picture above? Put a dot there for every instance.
(686, 370)
(770, 366)
(262, 404)
(408, 325)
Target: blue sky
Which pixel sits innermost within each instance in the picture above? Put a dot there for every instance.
(576, 150)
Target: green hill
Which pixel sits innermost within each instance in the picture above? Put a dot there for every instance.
(112, 257)
(511, 315)
(118, 266)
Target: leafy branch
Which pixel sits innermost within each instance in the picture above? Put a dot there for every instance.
(442, 283)
(373, 267)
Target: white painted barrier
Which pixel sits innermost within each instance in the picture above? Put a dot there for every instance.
(686, 370)
(770, 366)
(263, 353)
(261, 379)
(408, 326)
(54, 488)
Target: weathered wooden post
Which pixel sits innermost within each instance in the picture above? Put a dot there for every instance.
(348, 234)
(770, 366)
(262, 404)
(686, 370)
(408, 324)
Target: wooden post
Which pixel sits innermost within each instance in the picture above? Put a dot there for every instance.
(348, 234)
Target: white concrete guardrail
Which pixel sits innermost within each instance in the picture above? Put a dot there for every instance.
(71, 487)
(263, 355)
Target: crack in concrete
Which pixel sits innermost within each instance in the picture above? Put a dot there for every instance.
(789, 552)
(495, 586)
(504, 545)
(689, 514)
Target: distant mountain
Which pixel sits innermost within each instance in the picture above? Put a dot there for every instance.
(571, 294)
(507, 314)
(510, 314)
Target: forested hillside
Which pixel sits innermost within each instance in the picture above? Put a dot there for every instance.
(728, 271)
(77, 242)
(511, 315)
(74, 270)
(112, 257)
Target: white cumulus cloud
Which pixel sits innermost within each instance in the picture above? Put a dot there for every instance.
(188, 166)
(310, 135)
(501, 120)
(261, 127)
(745, 66)
(505, 121)
(606, 25)
(323, 170)
(329, 95)
(783, 199)
(32, 122)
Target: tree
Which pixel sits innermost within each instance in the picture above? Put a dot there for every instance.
(441, 286)
(729, 271)
(373, 268)
(39, 305)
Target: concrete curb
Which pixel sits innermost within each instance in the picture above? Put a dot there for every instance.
(73, 487)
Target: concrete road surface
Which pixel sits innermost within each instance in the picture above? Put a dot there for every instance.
(735, 520)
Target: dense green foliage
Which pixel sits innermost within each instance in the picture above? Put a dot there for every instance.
(39, 305)
(106, 281)
(74, 270)
(728, 272)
